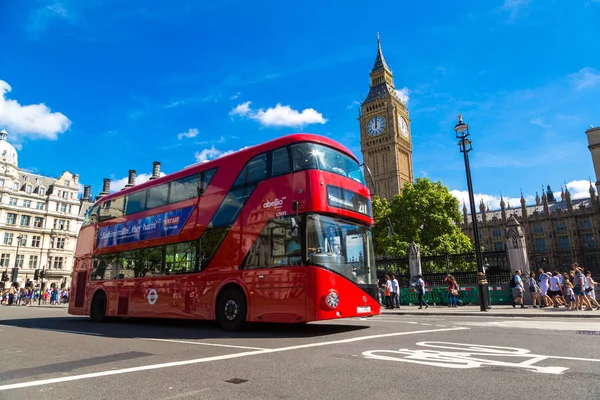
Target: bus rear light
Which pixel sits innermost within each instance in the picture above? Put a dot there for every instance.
(332, 300)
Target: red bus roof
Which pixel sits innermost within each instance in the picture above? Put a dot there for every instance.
(248, 153)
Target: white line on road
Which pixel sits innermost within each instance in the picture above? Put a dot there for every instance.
(209, 359)
(206, 344)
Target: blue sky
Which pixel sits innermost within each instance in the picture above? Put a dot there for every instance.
(101, 87)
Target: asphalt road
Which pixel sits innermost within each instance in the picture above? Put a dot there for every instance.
(45, 353)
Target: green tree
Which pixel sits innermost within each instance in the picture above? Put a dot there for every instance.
(426, 213)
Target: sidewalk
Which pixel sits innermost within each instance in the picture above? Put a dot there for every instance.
(495, 311)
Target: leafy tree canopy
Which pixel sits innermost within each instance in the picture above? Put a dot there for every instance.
(426, 213)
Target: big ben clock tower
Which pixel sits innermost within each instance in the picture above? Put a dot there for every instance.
(385, 137)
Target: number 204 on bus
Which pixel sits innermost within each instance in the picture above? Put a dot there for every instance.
(278, 232)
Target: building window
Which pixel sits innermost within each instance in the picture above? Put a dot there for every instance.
(28, 188)
(12, 201)
(20, 260)
(2, 182)
(498, 246)
(60, 243)
(67, 183)
(15, 185)
(33, 262)
(5, 260)
(563, 243)
(561, 226)
(59, 224)
(538, 227)
(27, 203)
(11, 218)
(42, 191)
(8, 238)
(35, 241)
(588, 241)
(497, 233)
(585, 223)
(25, 178)
(39, 205)
(65, 195)
(63, 208)
(23, 240)
(58, 262)
(25, 220)
(38, 222)
(540, 245)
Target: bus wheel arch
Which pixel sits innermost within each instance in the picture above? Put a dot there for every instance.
(231, 307)
(99, 306)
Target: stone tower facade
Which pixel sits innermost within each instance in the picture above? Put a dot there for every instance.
(593, 135)
(385, 136)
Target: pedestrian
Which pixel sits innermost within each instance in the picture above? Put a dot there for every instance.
(535, 290)
(387, 292)
(556, 289)
(453, 290)
(420, 286)
(579, 288)
(589, 289)
(544, 281)
(570, 296)
(517, 289)
(395, 292)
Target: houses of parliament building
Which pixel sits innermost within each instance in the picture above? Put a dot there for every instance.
(557, 232)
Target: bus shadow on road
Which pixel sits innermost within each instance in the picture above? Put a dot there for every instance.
(177, 329)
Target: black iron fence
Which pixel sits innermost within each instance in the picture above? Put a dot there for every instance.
(435, 268)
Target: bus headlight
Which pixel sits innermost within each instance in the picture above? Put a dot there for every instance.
(332, 300)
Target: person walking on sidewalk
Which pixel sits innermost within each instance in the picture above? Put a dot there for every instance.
(395, 293)
(517, 288)
(544, 281)
(420, 286)
(535, 290)
(453, 289)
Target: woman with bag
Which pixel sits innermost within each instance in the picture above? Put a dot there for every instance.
(453, 289)
(535, 290)
(387, 292)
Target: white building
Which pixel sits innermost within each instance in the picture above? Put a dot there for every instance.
(40, 218)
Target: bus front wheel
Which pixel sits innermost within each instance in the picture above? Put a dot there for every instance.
(98, 309)
(231, 309)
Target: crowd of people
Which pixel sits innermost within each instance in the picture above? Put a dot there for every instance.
(28, 296)
(575, 290)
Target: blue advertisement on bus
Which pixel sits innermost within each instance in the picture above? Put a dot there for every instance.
(152, 227)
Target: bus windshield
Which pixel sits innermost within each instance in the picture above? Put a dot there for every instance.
(312, 155)
(341, 246)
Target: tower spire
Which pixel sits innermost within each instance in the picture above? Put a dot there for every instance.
(380, 64)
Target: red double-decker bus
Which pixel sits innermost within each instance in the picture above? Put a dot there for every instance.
(279, 232)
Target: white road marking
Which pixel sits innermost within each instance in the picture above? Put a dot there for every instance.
(213, 358)
(206, 344)
(469, 356)
(536, 324)
(77, 332)
(422, 323)
(186, 394)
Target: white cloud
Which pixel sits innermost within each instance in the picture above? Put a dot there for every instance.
(192, 132)
(235, 96)
(33, 120)
(44, 16)
(578, 189)
(585, 78)
(403, 94)
(539, 122)
(241, 109)
(354, 103)
(211, 153)
(116, 185)
(280, 115)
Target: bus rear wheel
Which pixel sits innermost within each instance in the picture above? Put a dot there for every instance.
(231, 309)
(98, 308)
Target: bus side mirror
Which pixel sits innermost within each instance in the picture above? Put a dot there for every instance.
(294, 227)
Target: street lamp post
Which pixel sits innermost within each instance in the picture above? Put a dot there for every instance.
(19, 238)
(462, 132)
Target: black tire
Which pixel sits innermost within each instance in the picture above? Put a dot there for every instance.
(98, 308)
(231, 309)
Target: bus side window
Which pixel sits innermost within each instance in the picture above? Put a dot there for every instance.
(151, 262)
(106, 267)
(185, 188)
(136, 202)
(207, 177)
(158, 196)
(180, 258)
(111, 209)
(254, 171)
(280, 162)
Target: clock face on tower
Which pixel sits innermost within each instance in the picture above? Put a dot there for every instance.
(403, 126)
(376, 125)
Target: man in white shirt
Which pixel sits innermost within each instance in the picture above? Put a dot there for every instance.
(544, 281)
(556, 289)
(395, 293)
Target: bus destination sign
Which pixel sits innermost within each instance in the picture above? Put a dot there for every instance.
(152, 227)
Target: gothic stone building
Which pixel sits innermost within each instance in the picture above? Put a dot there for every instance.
(557, 232)
(385, 136)
(40, 218)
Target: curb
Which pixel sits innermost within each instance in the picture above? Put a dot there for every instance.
(486, 314)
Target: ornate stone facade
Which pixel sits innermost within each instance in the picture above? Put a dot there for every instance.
(40, 218)
(557, 232)
(385, 135)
